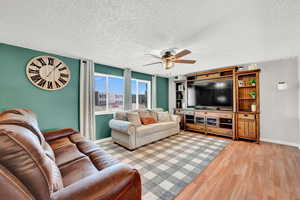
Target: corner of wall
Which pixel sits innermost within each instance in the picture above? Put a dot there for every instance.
(298, 63)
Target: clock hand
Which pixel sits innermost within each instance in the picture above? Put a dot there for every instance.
(50, 72)
(53, 69)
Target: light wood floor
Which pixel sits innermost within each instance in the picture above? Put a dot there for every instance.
(245, 170)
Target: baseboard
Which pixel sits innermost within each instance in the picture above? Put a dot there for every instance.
(103, 140)
(280, 142)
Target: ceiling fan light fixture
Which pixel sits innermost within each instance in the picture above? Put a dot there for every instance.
(168, 64)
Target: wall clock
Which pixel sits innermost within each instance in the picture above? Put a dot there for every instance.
(48, 73)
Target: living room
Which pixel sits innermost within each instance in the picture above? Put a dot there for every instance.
(150, 100)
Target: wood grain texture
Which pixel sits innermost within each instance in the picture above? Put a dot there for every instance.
(245, 170)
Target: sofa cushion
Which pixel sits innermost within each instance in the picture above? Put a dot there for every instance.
(153, 128)
(134, 118)
(144, 113)
(121, 116)
(163, 116)
(25, 153)
(78, 157)
(148, 120)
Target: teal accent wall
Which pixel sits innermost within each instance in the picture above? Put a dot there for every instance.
(102, 127)
(105, 69)
(55, 109)
(141, 76)
(162, 93)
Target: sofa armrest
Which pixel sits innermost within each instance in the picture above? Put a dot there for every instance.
(116, 182)
(122, 126)
(175, 118)
(52, 135)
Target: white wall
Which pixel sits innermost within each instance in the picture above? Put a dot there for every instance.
(299, 97)
(280, 108)
(172, 94)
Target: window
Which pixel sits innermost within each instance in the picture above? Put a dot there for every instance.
(109, 93)
(141, 96)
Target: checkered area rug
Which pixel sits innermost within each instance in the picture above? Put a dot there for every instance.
(168, 165)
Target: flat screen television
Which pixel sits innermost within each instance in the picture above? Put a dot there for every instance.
(210, 94)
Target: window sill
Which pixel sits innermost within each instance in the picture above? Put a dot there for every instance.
(105, 112)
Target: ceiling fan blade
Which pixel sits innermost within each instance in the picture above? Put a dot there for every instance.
(152, 64)
(155, 56)
(182, 53)
(185, 61)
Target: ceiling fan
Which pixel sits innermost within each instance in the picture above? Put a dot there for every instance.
(169, 58)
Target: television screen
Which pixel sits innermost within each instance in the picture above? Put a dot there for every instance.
(210, 94)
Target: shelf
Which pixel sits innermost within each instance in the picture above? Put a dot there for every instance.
(248, 86)
(247, 112)
(212, 78)
(226, 123)
(247, 99)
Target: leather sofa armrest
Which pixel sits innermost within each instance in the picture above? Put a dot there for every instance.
(56, 134)
(116, 182)
(122, 126)
(175, 118)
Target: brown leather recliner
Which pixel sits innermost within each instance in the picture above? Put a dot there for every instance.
(58, 164)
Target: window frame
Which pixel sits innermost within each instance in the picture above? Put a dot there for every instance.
(149, 87)
(107, 111)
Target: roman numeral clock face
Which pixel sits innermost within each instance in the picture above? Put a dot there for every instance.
(48, 73)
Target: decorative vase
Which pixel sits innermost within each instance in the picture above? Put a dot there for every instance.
(241, 83)
(253, 108)
(253, 84)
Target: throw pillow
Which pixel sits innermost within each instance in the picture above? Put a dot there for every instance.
(153, 114)
(148, 120)
(134, 118)
(121, 116)
(144, 113)
(163, 117)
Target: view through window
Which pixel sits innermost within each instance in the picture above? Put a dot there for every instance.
(109, 93)
(140, 91)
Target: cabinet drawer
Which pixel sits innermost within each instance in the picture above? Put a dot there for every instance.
(201, 113)
(189, 112)
(221, 115)
(220, 131)
(195, 127)
(246, 116)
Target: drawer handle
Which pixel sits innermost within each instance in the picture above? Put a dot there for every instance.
(245, 115)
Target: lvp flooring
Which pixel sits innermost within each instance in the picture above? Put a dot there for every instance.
(245, 170)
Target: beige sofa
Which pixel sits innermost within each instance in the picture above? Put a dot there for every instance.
(132, 136)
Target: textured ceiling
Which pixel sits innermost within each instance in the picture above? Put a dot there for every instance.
(121, 32)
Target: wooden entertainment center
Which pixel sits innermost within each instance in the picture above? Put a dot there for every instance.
(240, 121)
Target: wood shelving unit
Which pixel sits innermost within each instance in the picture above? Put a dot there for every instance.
(241, 121)
(247, 84)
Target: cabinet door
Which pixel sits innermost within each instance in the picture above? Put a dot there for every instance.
(247, 128)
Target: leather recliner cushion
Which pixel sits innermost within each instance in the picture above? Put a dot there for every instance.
(25, 153)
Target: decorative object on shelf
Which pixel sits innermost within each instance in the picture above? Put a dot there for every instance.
(181, 88)
(252, 82)
(48, 73)
(253, 107)
(252, 67)
(282, 85)
(241, 83)
(252, 94)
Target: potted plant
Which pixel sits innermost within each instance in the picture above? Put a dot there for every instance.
(253, 107)
(252, 94)
(252, 82)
